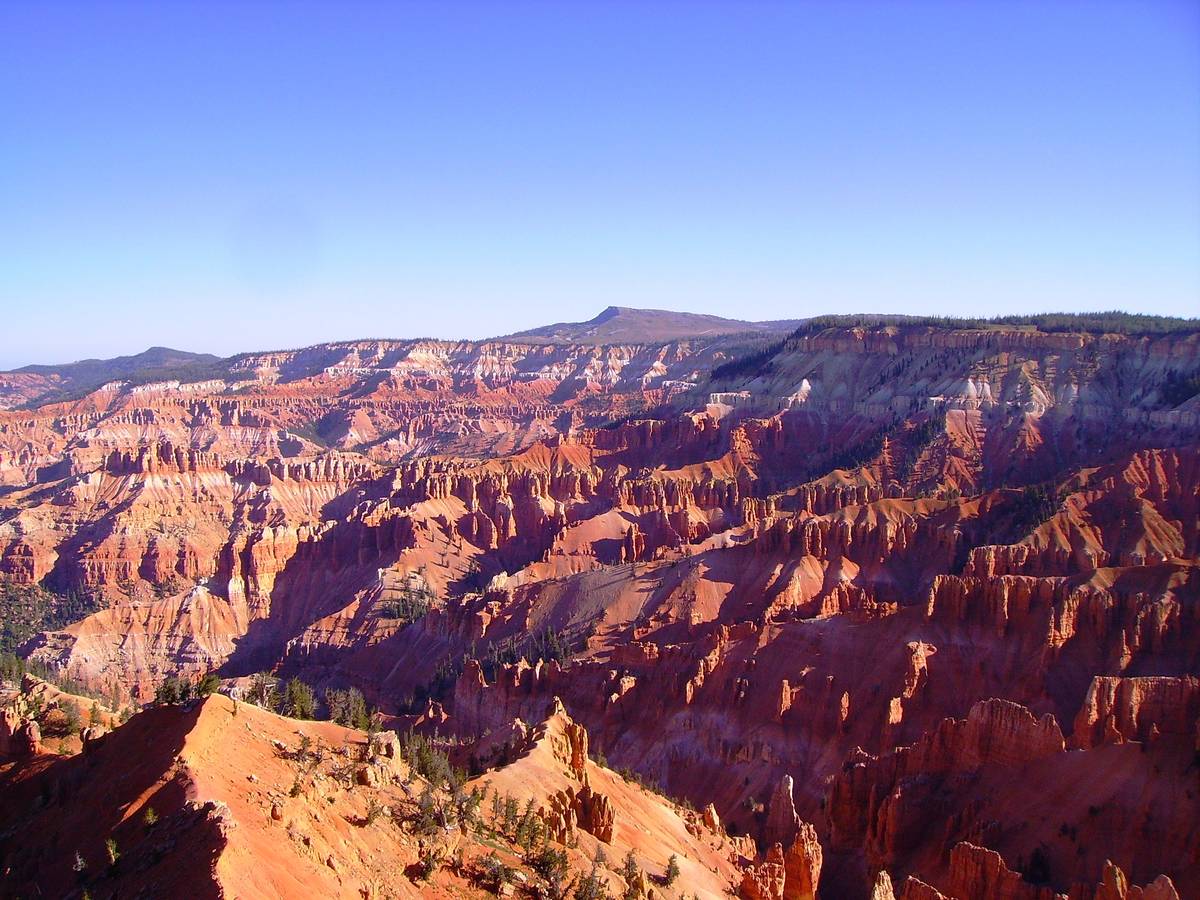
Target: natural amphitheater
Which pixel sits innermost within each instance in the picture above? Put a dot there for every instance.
(653, 605)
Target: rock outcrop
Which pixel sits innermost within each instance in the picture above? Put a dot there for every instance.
(1137, 709)
(791, 874)
(20, 738)
(874, 800)
(782, 821)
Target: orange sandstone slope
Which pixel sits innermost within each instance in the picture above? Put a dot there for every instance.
(597, 810)
(212, 779)
(223, 799)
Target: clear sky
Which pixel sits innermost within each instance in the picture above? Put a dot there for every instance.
(226, 177)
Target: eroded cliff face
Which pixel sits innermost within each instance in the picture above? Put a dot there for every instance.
(904, 569)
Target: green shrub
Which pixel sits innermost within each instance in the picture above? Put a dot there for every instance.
(412, 605)
(592, 886)
(208, 685)
(74, 720)
(427, 863)
(494, 873)
(629, 868)
(549, 863)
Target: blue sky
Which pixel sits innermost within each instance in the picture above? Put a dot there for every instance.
(226, 177)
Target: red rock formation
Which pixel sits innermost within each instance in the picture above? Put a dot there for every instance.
(979, 872)
(1137, 709)
(19, 738)
(786, 875)
(747, 589)
(1115, 886)
(765, 881)
(782, 821)
(582, 809)
(802, 865)
(867, 804)
(882, 888)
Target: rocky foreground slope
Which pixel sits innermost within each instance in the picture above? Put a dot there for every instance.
(916, 601)
(223, 799)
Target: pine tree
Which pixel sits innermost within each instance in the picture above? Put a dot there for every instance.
(672, 870)
(208, 685)
(71, 710)
(357, 710)
(168, 692)
(497, 810)
(591, 886)
(298, 700)
(509, 823)
(629, 868)
(263, 691)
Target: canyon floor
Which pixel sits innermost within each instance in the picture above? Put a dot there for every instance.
(848, 607)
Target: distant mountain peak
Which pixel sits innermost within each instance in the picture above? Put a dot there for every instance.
(75, 379)
(609, 312)
(629, 325)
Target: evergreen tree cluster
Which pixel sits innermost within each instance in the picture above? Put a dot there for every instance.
(1030, 508)
(299, 701)
(917, 440)
(412, 605)
(1178, 388)
(176, 690)
(444, 802)
(1109, 322)
(761, 361)
(13, 668)
(348, 708)
(549, 645)
(854, 456)
(757, 362)
(27, 609)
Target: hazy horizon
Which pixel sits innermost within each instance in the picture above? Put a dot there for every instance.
(224, 177)
(409, 337)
